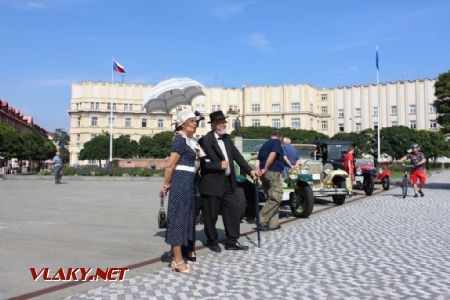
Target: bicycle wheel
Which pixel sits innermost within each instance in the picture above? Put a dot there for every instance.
(405, 186)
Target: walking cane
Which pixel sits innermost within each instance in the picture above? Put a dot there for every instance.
(257, 212)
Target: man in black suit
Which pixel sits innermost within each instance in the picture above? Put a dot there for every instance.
(218, 183)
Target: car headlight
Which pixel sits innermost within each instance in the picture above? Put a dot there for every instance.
(358, 171)
(305, 169)
(380, 170)
(327, 168)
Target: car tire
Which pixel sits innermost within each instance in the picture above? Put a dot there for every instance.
(369, 185)
(386, 183)
(240, 195)
(340, 199)
(301, 201)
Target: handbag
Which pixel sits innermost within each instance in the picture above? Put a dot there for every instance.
(162, 216)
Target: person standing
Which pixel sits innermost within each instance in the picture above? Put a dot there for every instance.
(58, 167)
(179, 180)
(218, 183)
(418, 160)
(349, 167)
(270, 160)
(290, 155)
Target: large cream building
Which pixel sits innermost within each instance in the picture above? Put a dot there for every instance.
(340, 109)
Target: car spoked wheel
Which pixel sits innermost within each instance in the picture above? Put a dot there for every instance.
(386, 183)
(339, 199)
(301, 201)
(369, 185)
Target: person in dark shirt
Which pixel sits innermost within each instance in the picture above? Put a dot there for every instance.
(271, 164)
(418, 160)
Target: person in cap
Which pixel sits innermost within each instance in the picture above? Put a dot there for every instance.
(179, 180)
(418, 160)
(271, 164)
(218, 183)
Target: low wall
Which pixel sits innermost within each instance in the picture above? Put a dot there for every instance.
(142, 163)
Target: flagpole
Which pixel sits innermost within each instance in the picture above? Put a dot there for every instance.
(111, 116)
(379, 109)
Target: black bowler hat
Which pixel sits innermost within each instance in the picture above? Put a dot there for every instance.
(216, 116)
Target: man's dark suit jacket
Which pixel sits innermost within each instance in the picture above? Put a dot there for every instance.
(212, 181)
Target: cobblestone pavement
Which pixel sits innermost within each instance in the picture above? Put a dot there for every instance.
(381, 247)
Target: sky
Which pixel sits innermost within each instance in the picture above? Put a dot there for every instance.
(45, 45)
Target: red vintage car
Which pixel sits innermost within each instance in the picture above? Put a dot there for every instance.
(365, 174)
(384, 175)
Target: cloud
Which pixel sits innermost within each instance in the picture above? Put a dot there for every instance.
(25, 4)
(225, 11)
(259, 41)
(365, 43)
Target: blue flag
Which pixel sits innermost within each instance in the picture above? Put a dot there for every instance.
(376, 60)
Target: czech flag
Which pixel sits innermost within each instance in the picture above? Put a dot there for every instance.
(118, 67)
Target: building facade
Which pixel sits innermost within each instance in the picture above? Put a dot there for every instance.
(14, 118)
(302, 106)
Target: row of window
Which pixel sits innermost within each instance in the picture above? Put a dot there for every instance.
(96, 106)
(412, 111)
(295, 123)
(127, 122)
(412, 125)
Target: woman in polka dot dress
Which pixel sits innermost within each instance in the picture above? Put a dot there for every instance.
(179, 179)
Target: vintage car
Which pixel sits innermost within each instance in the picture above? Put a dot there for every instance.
(384, 175)
(323, 179)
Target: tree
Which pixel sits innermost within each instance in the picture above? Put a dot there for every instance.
(397, 140)
(365, 140)
(298, 136)
(442, 103)
(11, 144)
(124, 147)
(62, 139)
(96, 149)
(157, 146)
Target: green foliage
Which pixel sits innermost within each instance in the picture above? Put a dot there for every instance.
(298, 136)
(124, 147)
(10, 142)
(442, 103)
(96, 149)
(157, 146)
(365, 140)
(62, 139)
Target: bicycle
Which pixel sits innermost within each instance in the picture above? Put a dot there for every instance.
(405, 180)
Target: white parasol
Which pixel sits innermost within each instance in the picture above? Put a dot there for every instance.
(170, 93)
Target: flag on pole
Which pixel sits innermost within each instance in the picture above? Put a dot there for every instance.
(376, 60)
(118, 67)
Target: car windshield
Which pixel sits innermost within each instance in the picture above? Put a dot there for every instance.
(306, 153)
(363, 162)
(337, 151)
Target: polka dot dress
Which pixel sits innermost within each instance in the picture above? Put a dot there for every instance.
(180, 212)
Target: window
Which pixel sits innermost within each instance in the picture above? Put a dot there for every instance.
(295, 106)
(256, 122)
(275, 108)
(128, 107)
(311, 107)
(160, 123)
(78, 139)
(79, 122)
(412, 109)
(358, 112)
(92, 105)
(433, 124)
(341, 113)
(324, 125)
(325, 110)
(276, 123)
(432, 108)
(324, 97)
(295, 122)
(109, 106)
(358, 127)
(394, 110)
(144, 123)
(94, 121)
(413, 124)
(109, 121)
(256, 108)
(200, 107)
(394, 123)
(97, 105)
(375, 111)
(233, 109)
(202, 124)
(215, 108)
(78, 106)
(127, 122)
(375, 126)
(341, 127)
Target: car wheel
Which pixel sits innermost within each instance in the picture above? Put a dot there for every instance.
(368, 185)
(386, 183)
(340, 199)
(301, 201)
